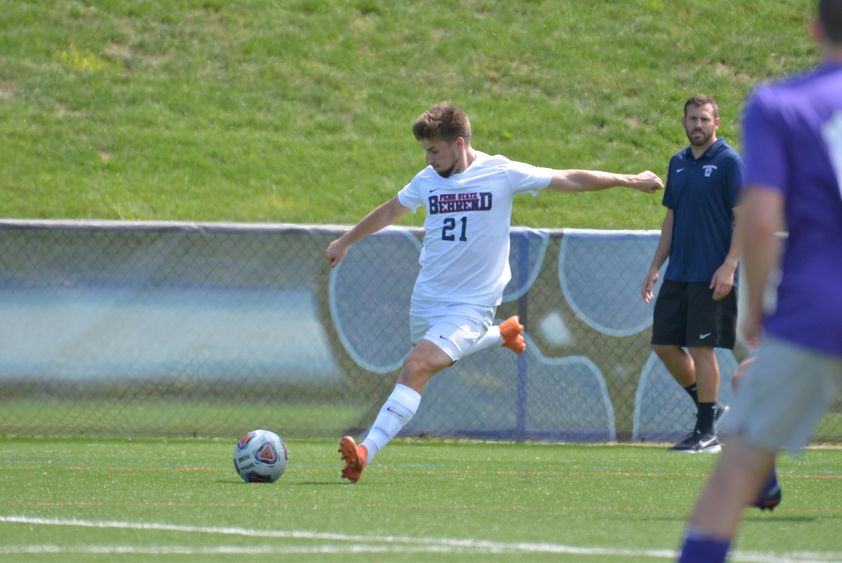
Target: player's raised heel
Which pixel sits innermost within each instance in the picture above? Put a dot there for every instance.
(355, 458)
(512, 332)
(771, 495)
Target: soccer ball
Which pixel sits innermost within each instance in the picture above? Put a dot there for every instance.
(260, 457)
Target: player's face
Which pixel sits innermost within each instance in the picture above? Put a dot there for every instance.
(443, 156)
(700, 125)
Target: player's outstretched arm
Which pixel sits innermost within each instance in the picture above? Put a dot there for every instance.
(592, 180)
(382, 216)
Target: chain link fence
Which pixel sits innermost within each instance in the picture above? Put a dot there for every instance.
(180, 329)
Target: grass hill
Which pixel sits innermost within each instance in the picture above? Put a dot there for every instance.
(300, 110)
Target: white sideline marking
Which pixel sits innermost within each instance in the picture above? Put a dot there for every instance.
(230, 550)
(355, 543)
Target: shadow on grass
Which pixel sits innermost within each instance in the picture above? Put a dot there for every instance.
(283, 484)
(748, 517)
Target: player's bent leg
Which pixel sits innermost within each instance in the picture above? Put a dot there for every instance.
(771, 495)
(355, 457)
(734, 483)
(512, 332)
(423, 362)
(492, 337)
(395, 413)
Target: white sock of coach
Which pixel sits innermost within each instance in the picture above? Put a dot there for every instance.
(395, 413)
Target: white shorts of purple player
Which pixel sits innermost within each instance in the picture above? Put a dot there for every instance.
(782, 396)
(456, 328)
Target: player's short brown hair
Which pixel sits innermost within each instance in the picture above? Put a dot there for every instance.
(442, 121)
(699, 100)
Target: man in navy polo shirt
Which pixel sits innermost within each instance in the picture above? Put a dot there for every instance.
(696, 307)
(793, 152)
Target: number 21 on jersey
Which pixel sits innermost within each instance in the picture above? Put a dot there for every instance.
(450, 228)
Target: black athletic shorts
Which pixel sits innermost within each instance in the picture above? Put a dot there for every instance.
(687, 315)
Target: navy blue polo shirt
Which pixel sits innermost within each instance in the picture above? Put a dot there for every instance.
(702, 194)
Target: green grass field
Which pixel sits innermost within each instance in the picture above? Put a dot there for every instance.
(153, 500)
(300, 111)
(147, 417)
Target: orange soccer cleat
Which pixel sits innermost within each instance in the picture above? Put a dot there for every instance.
(512, 332)
(355, 458)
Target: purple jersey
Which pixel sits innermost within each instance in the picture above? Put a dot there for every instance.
(793, 144)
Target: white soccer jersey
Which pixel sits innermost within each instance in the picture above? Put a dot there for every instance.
(465, 257)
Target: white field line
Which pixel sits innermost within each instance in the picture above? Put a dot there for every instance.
(352, 543)
(343, 549)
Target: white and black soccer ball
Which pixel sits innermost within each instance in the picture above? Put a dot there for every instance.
(260, 457)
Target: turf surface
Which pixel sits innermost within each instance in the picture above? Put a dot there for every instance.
(118, 500)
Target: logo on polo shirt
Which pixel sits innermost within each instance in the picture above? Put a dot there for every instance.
(709, 168)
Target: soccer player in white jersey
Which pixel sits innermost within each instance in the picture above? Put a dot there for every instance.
(467, 196)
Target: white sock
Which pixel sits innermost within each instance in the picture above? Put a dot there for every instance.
(395, 413)
(492, 337)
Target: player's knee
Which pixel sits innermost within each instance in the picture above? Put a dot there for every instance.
(702, 353)
(416, 373)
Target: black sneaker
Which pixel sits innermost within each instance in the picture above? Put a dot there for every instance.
(698, 442)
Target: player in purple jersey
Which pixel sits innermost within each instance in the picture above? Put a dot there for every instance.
(467, 196)
(793, 156)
